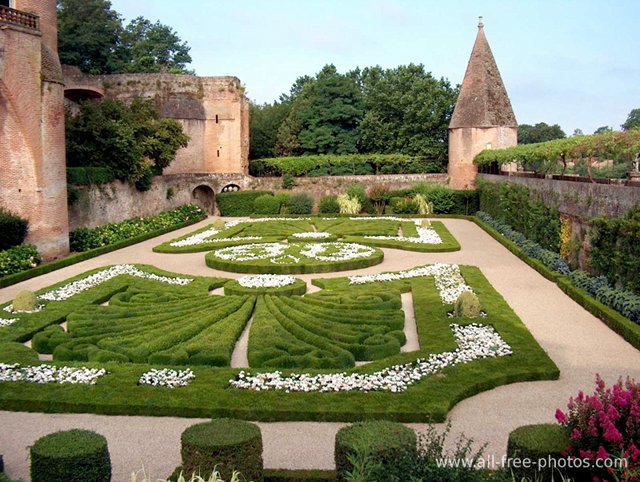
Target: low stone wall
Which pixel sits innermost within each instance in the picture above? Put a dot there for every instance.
(117, 201)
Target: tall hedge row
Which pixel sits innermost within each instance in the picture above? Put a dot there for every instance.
(239, 203)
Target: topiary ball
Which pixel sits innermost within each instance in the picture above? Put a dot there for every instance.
(71, 456)
(387, 443)
(467, 305)
(546, 441)
(25, 300)
(225, 445)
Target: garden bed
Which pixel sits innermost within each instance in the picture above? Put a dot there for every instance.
(208, 391)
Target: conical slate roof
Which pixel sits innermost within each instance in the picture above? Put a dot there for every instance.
(483, 100)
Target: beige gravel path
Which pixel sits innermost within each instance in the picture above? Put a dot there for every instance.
(580, 344)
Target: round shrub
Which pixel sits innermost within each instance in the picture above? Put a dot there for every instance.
(329, 205)
(300, 203)
(223, 444)
(71, 456)
(543, 441)
(467, 305)
(387, 443)
(25, 300)
(266, 204)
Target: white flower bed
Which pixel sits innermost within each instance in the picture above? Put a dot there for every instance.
(344, 251)
(203, 238)
(167, 378)
(449, 281)
(312, 235)
(474, 342)
(7, 321)
(235, 222)
(78, 286)
(276, 253)
(50, 374)
(9, 309)
(266, 281)
(425, 236)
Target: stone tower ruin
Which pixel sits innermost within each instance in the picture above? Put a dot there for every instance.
(32, 150)
(483, 117)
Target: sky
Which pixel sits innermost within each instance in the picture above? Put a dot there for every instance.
(575, 63)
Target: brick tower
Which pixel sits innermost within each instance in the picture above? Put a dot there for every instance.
(32, 151)
(483, 117)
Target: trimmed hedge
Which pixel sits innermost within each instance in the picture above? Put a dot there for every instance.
(71, 456)
(300, 203)
(387, 443)
(266, 204)
(225, 445)
(344, 165)
(239, 203)
(233, 288)
(13, 229)
(304, 266)
(537, 442)
(18, 259)
(18, 353)
(328, 330)
(82, 176)
(84, 239)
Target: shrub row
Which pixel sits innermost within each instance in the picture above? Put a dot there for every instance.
(82, 176)
(550, 259)
(84, 239)
(346, 165)
(629, 330)
(18, 258)
(160, 328)
(13, 229)
(298, 287)
(323, 331)
(239, 203)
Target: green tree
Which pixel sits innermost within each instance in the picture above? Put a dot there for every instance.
(129, 139)
(603, 130)
(541, 132)
(153, 47)
(327, 111)
(89, 35)
(265, 121)
(577, 133)
(407, 111)
(633, 120)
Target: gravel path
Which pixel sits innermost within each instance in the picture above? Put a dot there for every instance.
(580, 344)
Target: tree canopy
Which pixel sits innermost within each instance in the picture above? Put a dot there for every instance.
(633, 120)
(541, 132)
(92, 37)
(128, 139)
(403, 110)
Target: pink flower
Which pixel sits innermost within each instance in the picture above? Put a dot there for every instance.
(612, 434)
(561, 417)
(602, 453)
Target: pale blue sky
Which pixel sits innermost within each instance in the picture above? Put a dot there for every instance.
(571, 62)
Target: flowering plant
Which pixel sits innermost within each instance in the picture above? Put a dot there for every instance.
(167, 378)
(266, 281)
(606, 425)
(50, 374)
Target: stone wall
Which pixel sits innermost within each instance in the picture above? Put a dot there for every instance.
(213, 110)
(117, 201)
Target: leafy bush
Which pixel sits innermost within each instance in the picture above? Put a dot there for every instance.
(441, 197)
(359, 192)
(284, 199)
(348, 204)
(225, 445)
(19, 258)
(25, 300)
(467, 305)
(239, 203)
(620, 236)
(13, 229)
(605, 426)
(84, 239)
(424, 207)
(537, 442)
(341, 165)
(379, 195)
(385, 444)
(404, 205)
(329, 205)
(288, 181)
(300, 203)
(82, 176)
(71, 456)
(266, 204)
